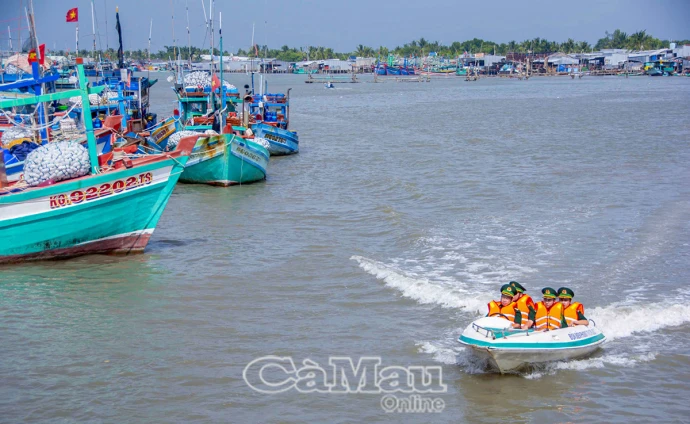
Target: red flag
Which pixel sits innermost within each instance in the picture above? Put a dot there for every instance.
(32, 55)
(215, 82)
(256, 50)
(72, 15)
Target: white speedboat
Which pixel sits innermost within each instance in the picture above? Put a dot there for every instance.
(509, 349)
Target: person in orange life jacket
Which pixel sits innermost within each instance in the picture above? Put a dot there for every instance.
(573, 312)
(505, 307)
(525, 304)
(549, 314)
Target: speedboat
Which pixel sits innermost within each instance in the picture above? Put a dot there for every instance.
(329, 85)
(508, 349)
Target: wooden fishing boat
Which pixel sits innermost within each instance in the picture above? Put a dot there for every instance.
(115, 209)
(225, 160)
(281, 141)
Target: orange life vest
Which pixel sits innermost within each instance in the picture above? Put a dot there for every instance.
(523, 305)
(497, 308)
(570, 313)
(548, 319)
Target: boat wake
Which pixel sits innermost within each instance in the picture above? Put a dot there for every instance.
(618, 321)
(423, 290)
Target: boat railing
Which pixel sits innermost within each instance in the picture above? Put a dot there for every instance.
(500, 332)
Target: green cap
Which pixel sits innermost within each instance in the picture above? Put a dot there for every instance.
(565, 292)
(518, 286)
(548, 292)
(508, 290)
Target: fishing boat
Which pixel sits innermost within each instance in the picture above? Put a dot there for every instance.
(224, 159)
(509, 350)
(224, 153)
(270, 115)
(112, 209)
(281, 141)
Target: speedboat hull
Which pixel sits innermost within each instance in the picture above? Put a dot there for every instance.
(510, 350)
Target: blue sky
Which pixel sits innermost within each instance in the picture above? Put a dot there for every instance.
(345, 24)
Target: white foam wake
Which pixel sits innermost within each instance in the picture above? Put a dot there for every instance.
(617, 321)
(625, 361)
(422, 289)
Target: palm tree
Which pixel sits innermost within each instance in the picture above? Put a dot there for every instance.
(583, 46)
(568, 46)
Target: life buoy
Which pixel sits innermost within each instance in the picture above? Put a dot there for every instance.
(258, 117)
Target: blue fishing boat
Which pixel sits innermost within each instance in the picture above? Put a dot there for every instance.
(281, 141)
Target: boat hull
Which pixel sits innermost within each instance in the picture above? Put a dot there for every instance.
(281, 142)
(225, 160)
(509, 351)
(114, 212)
(507, 361)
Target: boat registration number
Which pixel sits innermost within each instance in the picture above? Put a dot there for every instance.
(581, 335)
(103, 190)
(275, 138)
(246, 153)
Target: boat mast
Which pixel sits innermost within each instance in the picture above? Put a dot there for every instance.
(107, 44)
(213, 68)
(93, 28)
(252, 62)
(149, 52)
(19, 26)
(10, 34)
(222, 86)
(35, 70)
(189, 37)
(173, 32)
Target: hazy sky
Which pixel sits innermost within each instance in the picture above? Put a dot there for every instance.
(343, 25)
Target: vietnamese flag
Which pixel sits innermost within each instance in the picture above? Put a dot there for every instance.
(72, 15)
(32, 55)
(215, 82)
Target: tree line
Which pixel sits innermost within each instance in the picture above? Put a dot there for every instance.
(617, 39)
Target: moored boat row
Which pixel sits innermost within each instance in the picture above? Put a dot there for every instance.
(95, 171)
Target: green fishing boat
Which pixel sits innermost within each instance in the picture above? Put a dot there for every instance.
(225, 160)
(113, 209)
